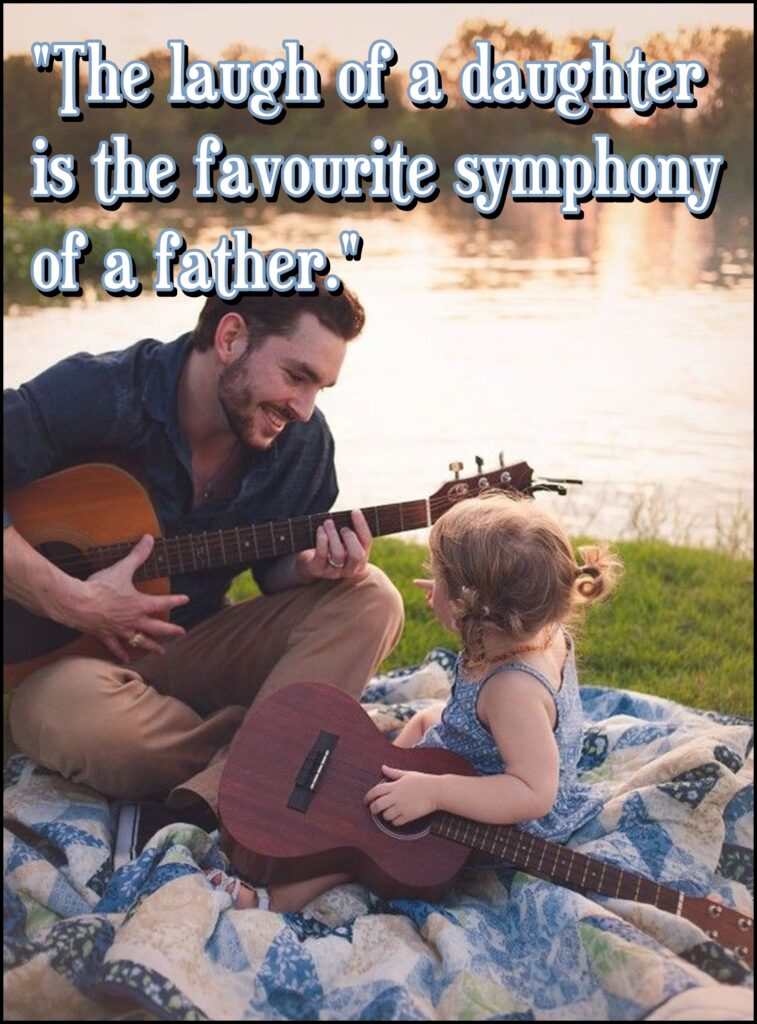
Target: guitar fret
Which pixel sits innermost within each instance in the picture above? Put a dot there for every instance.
(587, 864)
(570, 865)
(541, 859)
(376, 521)
(239, 543)
(601, 878)
(273, 538)
(531, 847)
(223, 548)
(207, 548)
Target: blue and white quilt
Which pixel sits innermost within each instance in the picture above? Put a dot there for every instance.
(154, 940)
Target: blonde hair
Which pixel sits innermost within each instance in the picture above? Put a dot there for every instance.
(509, 569)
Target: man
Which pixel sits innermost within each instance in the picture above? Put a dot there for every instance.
(225, 425)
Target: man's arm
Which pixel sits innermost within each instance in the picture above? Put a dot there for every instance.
(80, 401)
(107, 605)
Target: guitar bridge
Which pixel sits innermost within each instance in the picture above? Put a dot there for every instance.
(311, 772)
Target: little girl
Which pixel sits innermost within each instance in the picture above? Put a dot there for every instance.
(504, 578)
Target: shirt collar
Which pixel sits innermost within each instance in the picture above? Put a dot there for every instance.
(161, 378)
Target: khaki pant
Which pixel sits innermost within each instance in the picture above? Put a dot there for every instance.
(163, 724)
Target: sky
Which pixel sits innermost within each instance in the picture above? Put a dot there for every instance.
(417, 31)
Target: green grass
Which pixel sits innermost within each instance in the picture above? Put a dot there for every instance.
(678, 626)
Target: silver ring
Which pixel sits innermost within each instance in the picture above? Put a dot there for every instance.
(336, 565)
(137, 639)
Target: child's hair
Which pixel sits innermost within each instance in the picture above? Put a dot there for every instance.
(510, 570)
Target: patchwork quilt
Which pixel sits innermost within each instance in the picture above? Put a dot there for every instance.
(155, 941)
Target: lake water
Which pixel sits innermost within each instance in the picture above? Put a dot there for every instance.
(617, 349)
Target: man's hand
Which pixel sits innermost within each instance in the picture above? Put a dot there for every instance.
(412, 795)
(338, 554)
(113, 610)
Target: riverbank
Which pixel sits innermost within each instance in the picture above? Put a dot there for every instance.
(679, 625)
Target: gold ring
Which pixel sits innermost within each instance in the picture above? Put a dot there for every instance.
(137, 639)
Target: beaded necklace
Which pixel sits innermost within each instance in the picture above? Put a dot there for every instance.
(525, 648)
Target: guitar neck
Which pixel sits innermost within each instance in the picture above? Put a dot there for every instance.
(242, 545)
(559, 863)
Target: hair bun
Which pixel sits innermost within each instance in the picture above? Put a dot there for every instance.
(588, 570)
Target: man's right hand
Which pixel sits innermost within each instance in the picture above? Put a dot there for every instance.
(107, 605)
(112, 609)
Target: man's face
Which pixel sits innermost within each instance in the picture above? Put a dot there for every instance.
(265, 389)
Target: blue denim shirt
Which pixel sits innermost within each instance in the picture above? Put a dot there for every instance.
(127, 401)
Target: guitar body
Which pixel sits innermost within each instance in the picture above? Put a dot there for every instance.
(76, 509)
(268, 840)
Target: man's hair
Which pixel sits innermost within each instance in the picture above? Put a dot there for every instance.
(273, 313)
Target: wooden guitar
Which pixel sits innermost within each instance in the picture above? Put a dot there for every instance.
(291, 808)
(86, 517)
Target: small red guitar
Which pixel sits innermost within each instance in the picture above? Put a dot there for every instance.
(291, 808)
(86, 517)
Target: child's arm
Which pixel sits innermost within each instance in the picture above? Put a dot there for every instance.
(413, 730)
(518, 713)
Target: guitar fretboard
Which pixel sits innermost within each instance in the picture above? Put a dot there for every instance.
(242, 545)
(551, 860)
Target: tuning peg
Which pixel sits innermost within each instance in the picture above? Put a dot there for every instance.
(456, 467)
(479, 464)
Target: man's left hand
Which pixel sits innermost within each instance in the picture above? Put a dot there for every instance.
(338, 554)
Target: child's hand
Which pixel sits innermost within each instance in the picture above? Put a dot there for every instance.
(412, 795)
(439, 603)
(428, 586)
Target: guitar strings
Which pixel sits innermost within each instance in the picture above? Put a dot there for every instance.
(187, 545)
(266, 539)
(508, 841)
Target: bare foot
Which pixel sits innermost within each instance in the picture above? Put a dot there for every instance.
(243, 896)
(282, 899)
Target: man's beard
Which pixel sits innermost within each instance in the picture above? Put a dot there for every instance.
(238, 401)
(234, 396)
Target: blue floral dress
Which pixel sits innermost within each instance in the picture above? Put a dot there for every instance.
(461, 731)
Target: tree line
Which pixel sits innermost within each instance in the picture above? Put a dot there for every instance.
(721, 123)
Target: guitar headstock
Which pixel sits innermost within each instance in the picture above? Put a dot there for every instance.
(515, 479)
(730, 928)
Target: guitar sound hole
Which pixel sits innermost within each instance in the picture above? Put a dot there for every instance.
(62, 554)
(27, 635)
(413, 830)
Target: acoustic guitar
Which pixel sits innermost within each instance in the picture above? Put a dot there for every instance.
(291, 808)
(86, 517)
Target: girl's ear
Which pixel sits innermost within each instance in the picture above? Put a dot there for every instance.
(456, 618)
